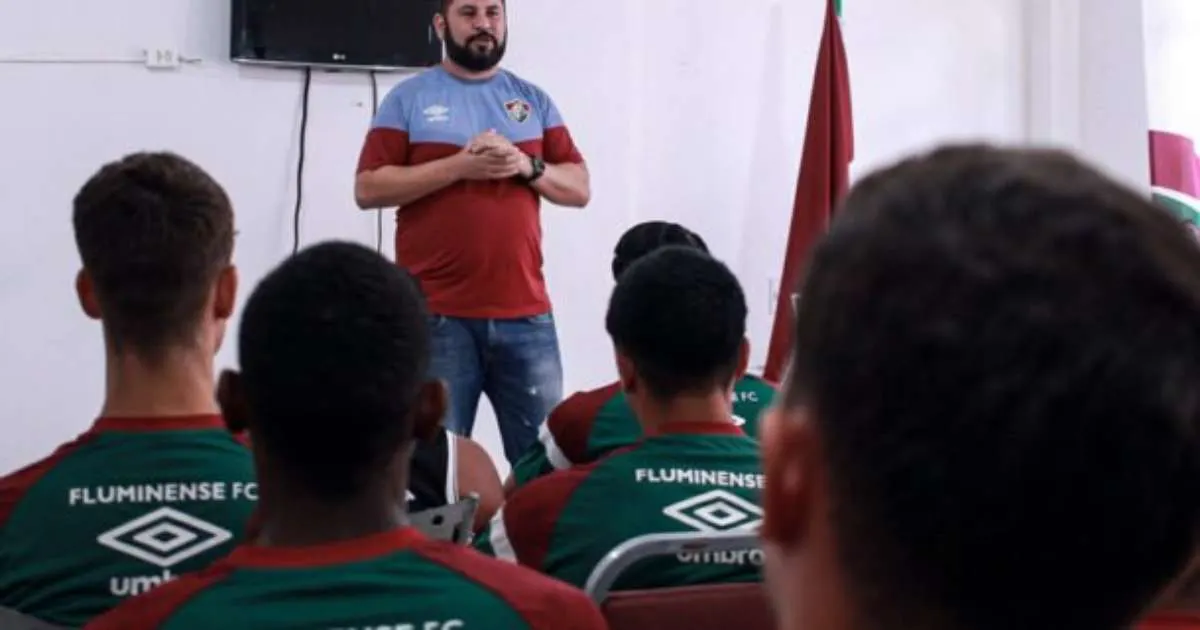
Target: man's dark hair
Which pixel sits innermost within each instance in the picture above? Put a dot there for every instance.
(334, 347)
(446, 4)
(154, 231)
(1002, 350)
(644, 238)
(680, 316)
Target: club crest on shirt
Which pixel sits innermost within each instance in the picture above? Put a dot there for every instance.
(518, 110)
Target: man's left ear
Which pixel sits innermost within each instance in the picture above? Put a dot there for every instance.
(627, 373)
(233, 402)
(789, 455)
(226, 293)
(439, 25)
(433, 400)
(743, 358)
(85, 290)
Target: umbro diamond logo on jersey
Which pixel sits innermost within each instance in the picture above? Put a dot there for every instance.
(716, 511)
(164, 537)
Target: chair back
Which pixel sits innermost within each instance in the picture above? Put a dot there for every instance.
(451, 523)
(13, 620)
(707, 607)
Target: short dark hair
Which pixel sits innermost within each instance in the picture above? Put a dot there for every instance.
(1002, 350)
(646, 237)
(446, 4)
(334, 347)
(154, 231)
(680, 316)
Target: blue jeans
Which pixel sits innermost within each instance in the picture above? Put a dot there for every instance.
(515, 362)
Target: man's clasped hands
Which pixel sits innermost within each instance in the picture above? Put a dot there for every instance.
(492, 156)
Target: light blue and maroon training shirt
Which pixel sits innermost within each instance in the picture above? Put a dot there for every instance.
(475, 246)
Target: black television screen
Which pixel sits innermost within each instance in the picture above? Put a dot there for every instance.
(367, 34)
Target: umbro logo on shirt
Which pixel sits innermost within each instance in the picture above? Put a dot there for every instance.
(164, 537)
(716, 511)
(436, 113)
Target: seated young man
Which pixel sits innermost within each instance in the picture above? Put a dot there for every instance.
(992, 419)
(446, 469)
(588, 425)
(157, 486)
(334, 348)
(677, 319)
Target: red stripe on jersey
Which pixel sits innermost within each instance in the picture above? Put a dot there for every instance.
(475, 247)
(559, 147)
(383, 147)
(159, 423)
(341, 552)
(699, 428)
(1171, 621)
(151, 610)
(572, 420)
(543, 603)
(531, 514)
(14, 486)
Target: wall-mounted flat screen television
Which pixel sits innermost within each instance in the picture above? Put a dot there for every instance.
(336, 34)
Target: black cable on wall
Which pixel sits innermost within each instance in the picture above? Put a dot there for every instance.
(374, 112)
(300, 160)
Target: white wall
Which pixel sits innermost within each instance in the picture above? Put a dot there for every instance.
(1086, 81)
(1173, 65)
(687, 111)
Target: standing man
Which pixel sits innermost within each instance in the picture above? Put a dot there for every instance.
(466, 151)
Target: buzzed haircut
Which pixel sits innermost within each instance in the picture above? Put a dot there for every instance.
(1002, 352)
(154, 231)
(649, 236)
(334, 347)
(680, 316)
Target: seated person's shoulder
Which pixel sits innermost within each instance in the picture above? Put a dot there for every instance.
(15, 485)
(572, 422)
(477, 475)
(583, 407)
(542, 602)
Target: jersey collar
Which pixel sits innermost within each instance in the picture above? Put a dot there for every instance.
(699, 428)
(342, 552)
(158, 423)
(1168, 620)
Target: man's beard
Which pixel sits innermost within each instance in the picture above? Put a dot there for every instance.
(470, 59)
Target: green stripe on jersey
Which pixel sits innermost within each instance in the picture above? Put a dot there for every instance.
(121, 514)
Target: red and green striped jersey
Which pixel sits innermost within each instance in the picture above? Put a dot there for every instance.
(588, 425)
(128, 505)
(395, 580)
(693, 477)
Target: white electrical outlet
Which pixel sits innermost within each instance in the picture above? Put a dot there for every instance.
(162, 58)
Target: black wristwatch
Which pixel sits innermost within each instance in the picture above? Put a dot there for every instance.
(537, 167)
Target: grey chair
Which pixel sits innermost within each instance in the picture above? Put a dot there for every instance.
(707, 607)
(451, 523)
(13, 620)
